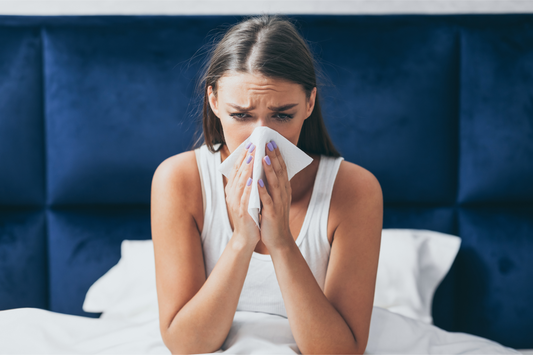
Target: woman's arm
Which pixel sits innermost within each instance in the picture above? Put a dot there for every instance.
(335, 321)
(195, 314)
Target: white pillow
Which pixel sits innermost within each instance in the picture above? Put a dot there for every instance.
(128, 289)
(412, 263)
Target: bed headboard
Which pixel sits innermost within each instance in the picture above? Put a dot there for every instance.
(439, 108)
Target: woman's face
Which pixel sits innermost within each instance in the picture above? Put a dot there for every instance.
(246, 101)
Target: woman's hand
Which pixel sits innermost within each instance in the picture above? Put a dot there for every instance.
(238, 191)
(276, 195)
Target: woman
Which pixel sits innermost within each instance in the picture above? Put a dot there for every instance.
(315, 258)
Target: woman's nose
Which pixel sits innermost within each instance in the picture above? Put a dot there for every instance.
(262, 122)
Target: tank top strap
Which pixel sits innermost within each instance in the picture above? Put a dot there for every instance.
(212, 185)
(325, 180)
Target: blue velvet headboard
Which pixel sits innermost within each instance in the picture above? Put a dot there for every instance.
(439, 108)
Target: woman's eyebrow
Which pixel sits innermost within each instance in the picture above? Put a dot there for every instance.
(241, 108)
(272, 108)
(281, 108)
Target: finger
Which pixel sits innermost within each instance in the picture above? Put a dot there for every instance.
(266, 200)
(274, 158)
(236, 192)
(246, 195)
(271, 177)
(245, 174)
(281, 161)
(236, 168)
(242, 165)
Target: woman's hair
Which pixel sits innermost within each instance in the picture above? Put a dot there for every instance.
(271, 46)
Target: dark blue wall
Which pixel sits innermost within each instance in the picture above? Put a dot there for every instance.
(439, 108)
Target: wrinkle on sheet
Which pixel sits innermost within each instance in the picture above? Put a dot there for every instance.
(37, 331)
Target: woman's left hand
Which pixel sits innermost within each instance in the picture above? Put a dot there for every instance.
(276, 195)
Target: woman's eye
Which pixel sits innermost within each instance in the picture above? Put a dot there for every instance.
(278, 116)
(283, 116)
(238, 116)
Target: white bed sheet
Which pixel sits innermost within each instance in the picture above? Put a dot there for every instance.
(37, 331)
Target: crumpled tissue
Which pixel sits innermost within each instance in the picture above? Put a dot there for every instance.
(295, 160)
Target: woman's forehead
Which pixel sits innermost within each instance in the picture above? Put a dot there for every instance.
(245, 84)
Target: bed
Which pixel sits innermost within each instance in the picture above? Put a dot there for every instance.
(439, 108)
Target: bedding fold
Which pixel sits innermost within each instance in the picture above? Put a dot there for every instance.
(37, 331)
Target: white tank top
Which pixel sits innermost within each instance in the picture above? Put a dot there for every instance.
(261, 292)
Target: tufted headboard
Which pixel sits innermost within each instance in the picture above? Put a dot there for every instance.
(439, 108)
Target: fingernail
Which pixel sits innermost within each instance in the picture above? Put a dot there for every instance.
(267, 159)
(252, 147)
(249, 182)
(249, 159)
(261, 183)
(270, 146)
(248, 145)
(274, 144)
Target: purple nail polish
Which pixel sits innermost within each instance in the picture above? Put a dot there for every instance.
(249, 159)
(248, 145)
(270, 146)
(252, 147)
(249, 182)
(261, 183)
(267, 159)
(274, 144)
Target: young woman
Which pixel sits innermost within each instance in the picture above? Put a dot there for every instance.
(315, 258)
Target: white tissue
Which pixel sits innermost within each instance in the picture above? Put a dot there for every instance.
(295, 160)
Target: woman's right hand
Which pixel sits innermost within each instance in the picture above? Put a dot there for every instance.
(238, 191)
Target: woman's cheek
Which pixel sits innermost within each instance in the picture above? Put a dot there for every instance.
(229, 137)
(234, 142)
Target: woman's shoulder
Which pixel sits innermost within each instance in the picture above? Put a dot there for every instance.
(355, 189)
(177, 168)
(177, 182)
(358, 180)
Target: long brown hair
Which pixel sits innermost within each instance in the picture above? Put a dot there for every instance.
(269, 45)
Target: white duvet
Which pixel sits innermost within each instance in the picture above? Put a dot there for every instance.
(412, 263)
(37, 331)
